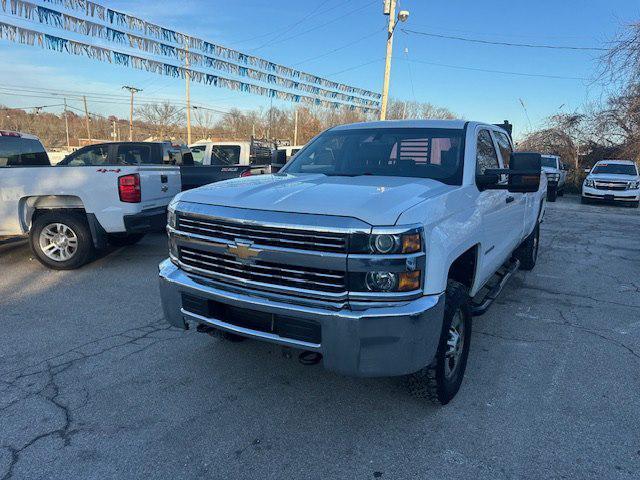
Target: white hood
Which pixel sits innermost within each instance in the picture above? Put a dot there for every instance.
(610, 177)
(376, 200)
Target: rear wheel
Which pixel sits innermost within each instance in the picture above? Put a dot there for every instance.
(440, 381)
(527, 253)
(122, 240)
(61, 240)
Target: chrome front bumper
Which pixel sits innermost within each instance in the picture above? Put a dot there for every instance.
(616, 195)
(375, 341)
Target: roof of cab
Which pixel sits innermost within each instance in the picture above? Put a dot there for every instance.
(621, 162)
(453, 124)
(22, 134)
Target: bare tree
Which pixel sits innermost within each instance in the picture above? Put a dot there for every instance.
(162, 116)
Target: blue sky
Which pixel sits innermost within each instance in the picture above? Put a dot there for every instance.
(311, 34)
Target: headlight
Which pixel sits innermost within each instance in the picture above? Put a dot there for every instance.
(634, 185)
(387, 243)
(589, 183)
(171, 217)
(385, 282)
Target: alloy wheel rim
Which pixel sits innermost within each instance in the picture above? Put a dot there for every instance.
(58, 242)
(455, 345)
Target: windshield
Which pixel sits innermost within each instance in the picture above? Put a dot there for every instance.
(549, 162)
(398, 152)
(615, 169)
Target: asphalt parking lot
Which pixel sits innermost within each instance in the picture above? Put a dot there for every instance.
(93, 383)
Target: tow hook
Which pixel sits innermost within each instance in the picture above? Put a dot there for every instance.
(309, 358)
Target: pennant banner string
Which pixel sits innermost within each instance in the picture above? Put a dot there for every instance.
(72, 47)
(123, 20)
(73, 24)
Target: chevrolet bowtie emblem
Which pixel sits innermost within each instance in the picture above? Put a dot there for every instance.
(242, 250)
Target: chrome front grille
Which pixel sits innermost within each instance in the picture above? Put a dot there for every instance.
(300, 239)
(228, 267)
(618, 186)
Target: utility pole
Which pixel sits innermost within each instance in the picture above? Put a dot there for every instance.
(187, 77)
(295, 127)
(132, 91)
(86, 117)
(66, 121)
(390, 9)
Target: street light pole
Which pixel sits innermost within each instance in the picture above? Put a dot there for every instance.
(390, 9)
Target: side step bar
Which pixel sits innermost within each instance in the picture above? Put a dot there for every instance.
(504, 274)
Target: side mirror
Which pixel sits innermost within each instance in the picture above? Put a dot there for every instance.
(487, 181)
(524, 172)
(587, 170)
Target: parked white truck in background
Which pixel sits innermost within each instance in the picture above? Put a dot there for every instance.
(372, 249)
(556, 173)
(107, 193)
(613, 181)
(225, 160)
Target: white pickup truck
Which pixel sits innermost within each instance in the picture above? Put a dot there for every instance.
(613, 181)
(556, 173)
(107, 193)
(217, 161)
(371, 250)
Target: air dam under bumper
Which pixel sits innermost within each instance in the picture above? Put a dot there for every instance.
(375, 342)
(615, 195)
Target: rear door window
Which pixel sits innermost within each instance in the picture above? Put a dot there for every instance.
(225, 155)
(135, 155)
(22, 152)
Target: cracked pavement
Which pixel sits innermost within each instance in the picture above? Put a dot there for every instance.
(94, 384)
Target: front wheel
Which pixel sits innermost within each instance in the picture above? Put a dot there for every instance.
(61, 240)
(440, 381)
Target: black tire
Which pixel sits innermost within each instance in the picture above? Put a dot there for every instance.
(122, 240)
(437, 383)
(76, 222)
(552, 194)
(527, 253)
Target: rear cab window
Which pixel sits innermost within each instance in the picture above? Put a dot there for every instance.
(17, 151)
(135, 155)
(224, 155)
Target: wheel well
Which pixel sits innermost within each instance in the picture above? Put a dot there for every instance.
(30, 207)
(463, 269)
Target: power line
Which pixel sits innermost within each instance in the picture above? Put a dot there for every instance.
(339, 48)
(309, 30)
(502, 72)
(357, 66)
(506, 44)
(283, 31)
